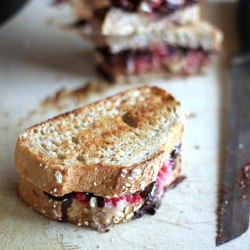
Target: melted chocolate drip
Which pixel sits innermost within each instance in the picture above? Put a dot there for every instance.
(152, 201)
(176, 151)
(66, 202)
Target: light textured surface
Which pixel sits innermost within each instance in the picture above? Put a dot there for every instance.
(37, 59)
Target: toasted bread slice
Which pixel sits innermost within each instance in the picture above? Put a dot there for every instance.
(199, 35)
(101, 218)
(111, 148)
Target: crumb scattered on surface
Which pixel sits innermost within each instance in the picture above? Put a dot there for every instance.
(197, 147)
(78, 95)
(191, 115)
(63, 98)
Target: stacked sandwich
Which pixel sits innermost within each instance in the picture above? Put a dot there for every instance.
(134, 37)
(103, 164)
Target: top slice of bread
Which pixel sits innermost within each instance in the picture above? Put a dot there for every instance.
(193, 36)
(110, 148)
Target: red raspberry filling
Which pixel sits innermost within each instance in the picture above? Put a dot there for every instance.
(166, 174)
(131, 199)
(164, 178)
(157, 56)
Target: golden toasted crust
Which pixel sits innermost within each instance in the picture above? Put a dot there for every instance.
(98, 218)
(108, 155)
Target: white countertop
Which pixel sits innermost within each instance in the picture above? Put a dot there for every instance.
(37, 59)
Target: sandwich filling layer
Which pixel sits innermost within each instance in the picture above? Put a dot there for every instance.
(147, 200)
(172, 59)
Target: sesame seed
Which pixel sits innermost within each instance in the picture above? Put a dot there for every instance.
(86, 223)
(58, 176)
(125, 171)
(142, 185)
(54, 190)
(136, 172)
(93, 202)
(95, 183)
(127, 185)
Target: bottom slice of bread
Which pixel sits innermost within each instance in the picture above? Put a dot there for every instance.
(84, 209)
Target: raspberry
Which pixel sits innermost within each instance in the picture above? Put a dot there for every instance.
(80, 196)
(85, 203)
(167, 166)
(116, 201)
(129, 198)
(137, 198)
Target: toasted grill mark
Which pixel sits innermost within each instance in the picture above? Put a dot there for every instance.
(129, 120)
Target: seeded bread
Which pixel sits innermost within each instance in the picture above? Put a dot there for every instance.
(98, 218)
(199, 35)
(111, 148)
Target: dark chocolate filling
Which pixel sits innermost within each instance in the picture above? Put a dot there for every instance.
(123, 57)
(149, 194)
(66, 202)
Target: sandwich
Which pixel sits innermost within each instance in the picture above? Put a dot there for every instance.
(147, 37)
(103, 164)
(169, 49)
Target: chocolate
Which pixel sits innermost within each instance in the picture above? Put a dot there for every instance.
(100, 201)
(66, 202)
(65, 205)
(155, 57)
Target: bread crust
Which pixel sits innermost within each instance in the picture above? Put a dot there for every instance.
(98, 218)
(101, 179)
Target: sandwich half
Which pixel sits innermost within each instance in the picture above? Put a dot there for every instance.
(103, 164)
(169, 49)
